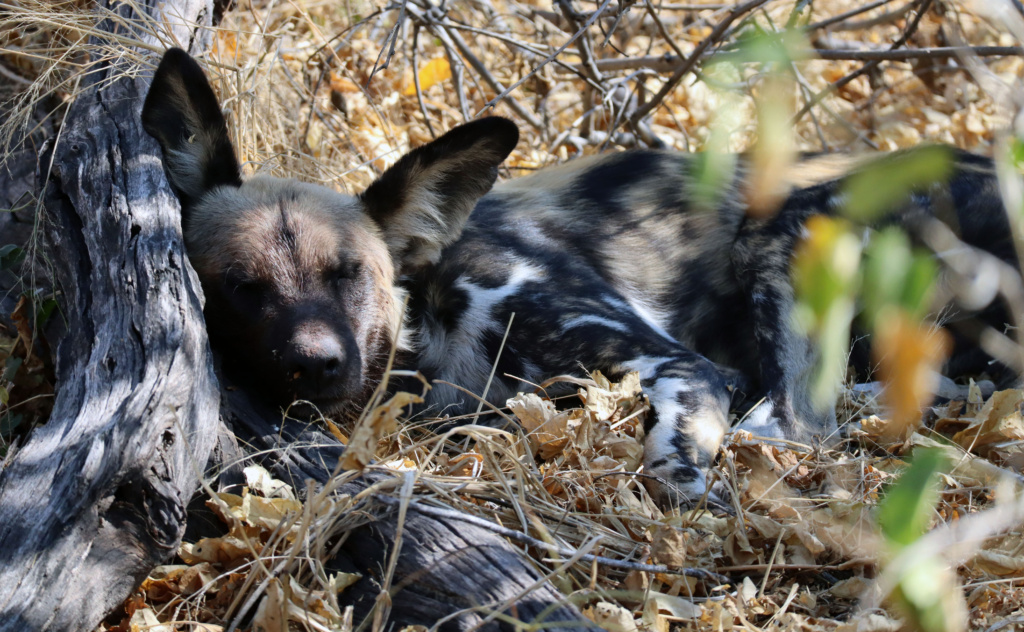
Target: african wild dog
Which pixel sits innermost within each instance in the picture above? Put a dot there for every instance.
(603, 261)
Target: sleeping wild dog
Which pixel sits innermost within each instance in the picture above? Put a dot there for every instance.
(604, 262)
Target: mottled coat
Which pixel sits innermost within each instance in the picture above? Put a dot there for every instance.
(605, 263)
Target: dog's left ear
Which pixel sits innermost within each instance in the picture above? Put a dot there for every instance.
(182, 113)
(423, 201)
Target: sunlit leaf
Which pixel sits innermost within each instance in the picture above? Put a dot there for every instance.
(907, 506)
(919, 288)
(826, 278)
(1017, 152)
(929, 596)
(907, 353)
(225, 45)
(886, 262)
(895, 275)
(432, 73)
(715, 167)
(884, 185)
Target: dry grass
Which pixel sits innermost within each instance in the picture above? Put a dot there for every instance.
(312, 90)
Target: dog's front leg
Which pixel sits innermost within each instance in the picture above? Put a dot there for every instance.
(689, 394)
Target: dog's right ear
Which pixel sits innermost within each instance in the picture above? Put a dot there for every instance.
(182, 113)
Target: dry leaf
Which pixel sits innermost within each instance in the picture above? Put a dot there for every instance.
(668, 546)
(611, 617)
(259, 480)
(144, 620)
(907, 353)
(999, 564)
(998, 421)
(851, 588)
(363, 444)
(871, 622)
(661, 609)
(271, 615)
(432, 73)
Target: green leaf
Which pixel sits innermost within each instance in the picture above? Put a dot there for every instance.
(713, 170)
(1017, 152)
(10, 256)
(781, 48)
(45, 310)
(928, 594)
(887, 260)
(905, 511)
(919, 287)
(9, 423)
(11, 367)
(882, 186)
(894, 275)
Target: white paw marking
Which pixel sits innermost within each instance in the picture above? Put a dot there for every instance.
(761, 423)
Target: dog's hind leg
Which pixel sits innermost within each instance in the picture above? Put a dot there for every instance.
(787, 359)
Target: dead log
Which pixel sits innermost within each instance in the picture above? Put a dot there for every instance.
(98, 495)
(447, 569)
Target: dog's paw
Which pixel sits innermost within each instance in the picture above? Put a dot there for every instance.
(688, 491)
(762, 422)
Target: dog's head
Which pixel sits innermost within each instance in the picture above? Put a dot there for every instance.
(300, 279)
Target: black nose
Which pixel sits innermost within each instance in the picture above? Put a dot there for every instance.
(314, 360)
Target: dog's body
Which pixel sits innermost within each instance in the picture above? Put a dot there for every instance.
(604, 262)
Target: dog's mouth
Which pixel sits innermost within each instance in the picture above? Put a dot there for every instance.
(335, 403)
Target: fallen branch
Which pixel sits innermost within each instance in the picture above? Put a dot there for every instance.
(440, 513)
(669, 63)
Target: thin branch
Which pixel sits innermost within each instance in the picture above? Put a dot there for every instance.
(835, 19)
(692, 60)
(669, 63)
(883, 18)
(544, 62)
(416, 80)
(582, 43)
(922, 8)
(393, 36)
(432, 19)
(491, 80)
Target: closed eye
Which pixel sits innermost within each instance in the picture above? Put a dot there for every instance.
(247, 293)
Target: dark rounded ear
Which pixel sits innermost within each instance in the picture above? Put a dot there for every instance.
(423, 201)
(182, 113)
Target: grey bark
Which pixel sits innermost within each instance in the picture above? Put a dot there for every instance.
(97, 495)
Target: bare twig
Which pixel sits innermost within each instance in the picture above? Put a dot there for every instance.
(692, 60)
(836, 19)
(416, 80)
(545, 61)
(922, 8)
(393, 37)
(432, 18)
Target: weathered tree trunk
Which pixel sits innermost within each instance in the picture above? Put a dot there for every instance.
(445, 565)
(97, 496)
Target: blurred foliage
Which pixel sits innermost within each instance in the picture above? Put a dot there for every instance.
(926, 589)
(892, 285)
(884, 185)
